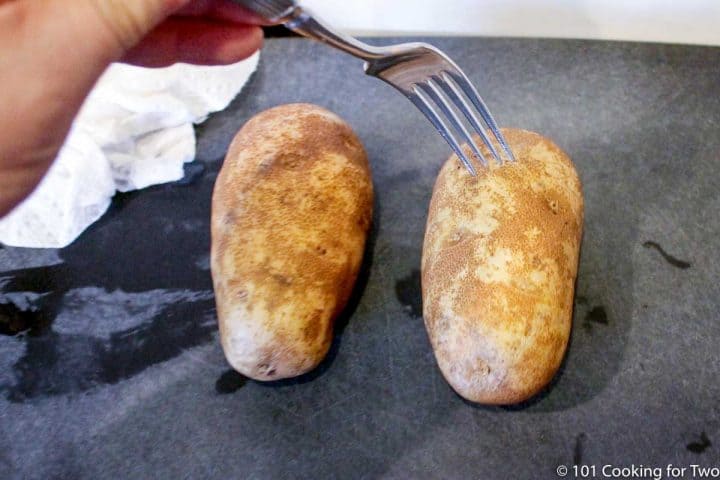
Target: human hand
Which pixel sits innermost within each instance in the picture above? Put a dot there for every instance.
(53, 51)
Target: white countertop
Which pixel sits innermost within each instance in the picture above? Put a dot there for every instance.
(668, 21)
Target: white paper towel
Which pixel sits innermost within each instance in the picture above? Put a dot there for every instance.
(134, 130)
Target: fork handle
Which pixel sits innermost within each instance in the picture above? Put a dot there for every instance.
(302, 21)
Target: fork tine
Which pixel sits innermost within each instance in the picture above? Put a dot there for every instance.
(448, 85)
(434, 92)
(425, 106)
(475, 98)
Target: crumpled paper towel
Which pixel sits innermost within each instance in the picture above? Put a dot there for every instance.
(134, 130)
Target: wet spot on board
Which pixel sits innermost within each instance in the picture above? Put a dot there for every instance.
(121, 298)
(701, 445)
(79, 352)
(675, 262)
(578, 451)
(408, 292)
(203, 263)
(596, 315)
(15, 320)
(229, 382)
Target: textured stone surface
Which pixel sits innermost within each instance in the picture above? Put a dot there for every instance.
(124, 376)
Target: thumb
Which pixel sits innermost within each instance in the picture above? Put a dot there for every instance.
(128, 21)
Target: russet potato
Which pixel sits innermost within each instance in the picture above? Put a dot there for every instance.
(499, 264)
(291, 211)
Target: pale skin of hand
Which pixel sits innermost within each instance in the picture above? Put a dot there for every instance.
(53, 51)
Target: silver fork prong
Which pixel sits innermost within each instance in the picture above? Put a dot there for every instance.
(433, 91)
(425, 106)
(477, 100)
(452, 91)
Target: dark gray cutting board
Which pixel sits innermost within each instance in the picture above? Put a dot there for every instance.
(124, 376)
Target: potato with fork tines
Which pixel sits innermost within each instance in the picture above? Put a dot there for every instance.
(499, 265)
(291, 211)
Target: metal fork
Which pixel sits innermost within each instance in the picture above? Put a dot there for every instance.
(424, 74)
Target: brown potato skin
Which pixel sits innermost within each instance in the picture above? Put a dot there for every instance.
(499, 263)
(291, 211)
